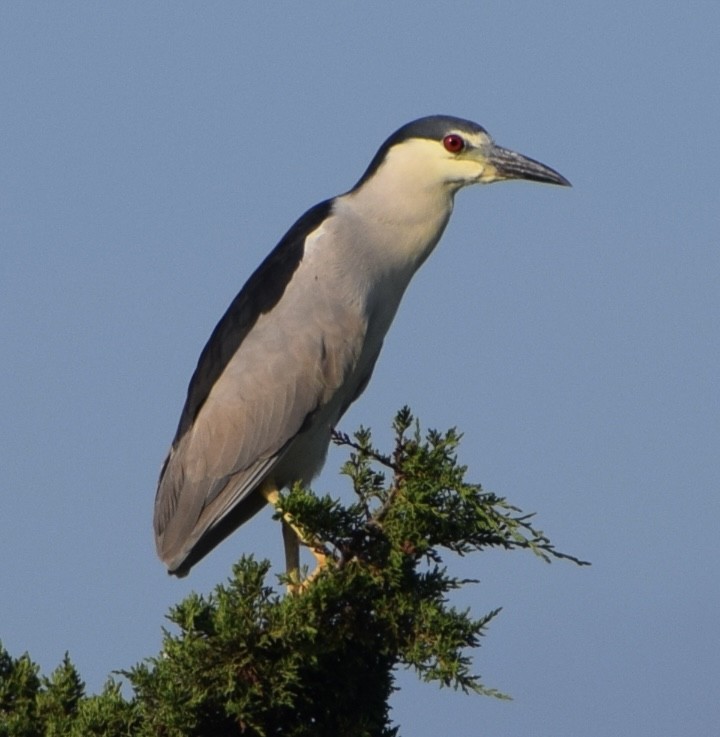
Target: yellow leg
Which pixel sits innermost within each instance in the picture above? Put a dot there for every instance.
(292, 548)
(292, 538)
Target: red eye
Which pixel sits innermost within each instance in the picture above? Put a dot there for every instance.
(453, 143)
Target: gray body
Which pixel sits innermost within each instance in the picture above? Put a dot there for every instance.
(299, 343)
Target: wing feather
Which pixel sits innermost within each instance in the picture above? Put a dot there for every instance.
(278, 356)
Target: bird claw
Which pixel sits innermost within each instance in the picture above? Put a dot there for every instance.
(295, 585)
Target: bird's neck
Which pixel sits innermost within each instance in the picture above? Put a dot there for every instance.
(403, 223)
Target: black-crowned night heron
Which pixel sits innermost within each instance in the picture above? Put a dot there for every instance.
(298, 345)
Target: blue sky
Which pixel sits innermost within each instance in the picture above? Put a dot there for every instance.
(152, 153)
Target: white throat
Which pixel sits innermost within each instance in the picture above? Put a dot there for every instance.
(404, 206)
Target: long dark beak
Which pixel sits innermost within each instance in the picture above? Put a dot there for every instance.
(511, 165)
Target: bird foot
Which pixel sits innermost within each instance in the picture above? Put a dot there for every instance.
(293, 537)
(322, 558)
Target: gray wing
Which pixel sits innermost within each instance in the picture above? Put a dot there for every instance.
(278, 355)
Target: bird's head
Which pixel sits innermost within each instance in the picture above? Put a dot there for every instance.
(449, 153)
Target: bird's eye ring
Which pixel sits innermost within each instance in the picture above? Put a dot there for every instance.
(453, 143)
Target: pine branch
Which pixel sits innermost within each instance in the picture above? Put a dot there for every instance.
(249, 660)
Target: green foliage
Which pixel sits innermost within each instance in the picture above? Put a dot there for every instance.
(248, 660)
(19, 688)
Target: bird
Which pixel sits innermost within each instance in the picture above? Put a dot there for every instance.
(298, 344)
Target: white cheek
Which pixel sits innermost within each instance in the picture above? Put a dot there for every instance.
(489, 174)
(469, 172)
